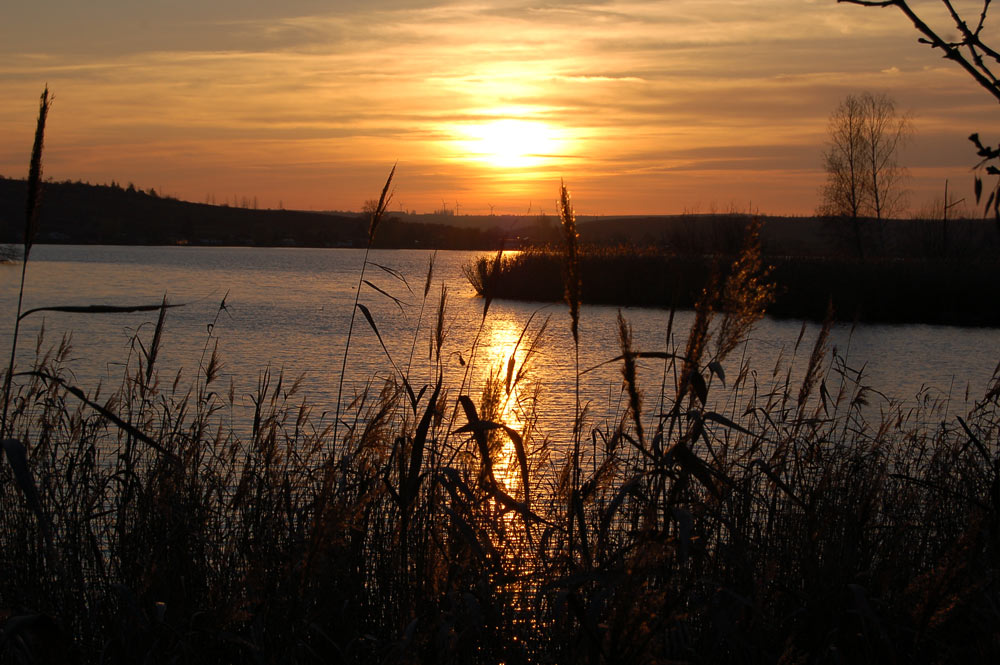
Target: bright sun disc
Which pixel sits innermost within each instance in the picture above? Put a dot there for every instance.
(512, 143)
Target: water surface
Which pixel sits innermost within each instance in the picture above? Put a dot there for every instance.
(290, 309)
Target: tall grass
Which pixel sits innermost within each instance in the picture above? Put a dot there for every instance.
(376, 212)
(30, 226)
(789, 526)
(571, 280)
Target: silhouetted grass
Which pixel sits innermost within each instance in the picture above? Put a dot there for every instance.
(787, 527)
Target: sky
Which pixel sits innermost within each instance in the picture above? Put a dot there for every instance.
(640, 107)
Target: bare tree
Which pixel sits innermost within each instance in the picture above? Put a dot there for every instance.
(970, 53)
(369, 208)
(864, 178)
(843, 161)
(884, 133)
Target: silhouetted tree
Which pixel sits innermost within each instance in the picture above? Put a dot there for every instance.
(885, 131)
(369, 208)
(842, 195)
(864, 178)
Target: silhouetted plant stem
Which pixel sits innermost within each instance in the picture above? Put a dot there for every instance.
(30, 226)
(420, 315)
(376, 214)
(572, 281)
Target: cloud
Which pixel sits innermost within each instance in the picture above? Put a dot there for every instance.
(645, 89)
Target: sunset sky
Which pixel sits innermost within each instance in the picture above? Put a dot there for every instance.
(641, 107)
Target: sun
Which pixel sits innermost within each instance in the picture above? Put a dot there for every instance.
(511, 143)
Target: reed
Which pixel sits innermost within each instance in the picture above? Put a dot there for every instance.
(698, 544)
(30, 227)
(571, 280)
(375, 213)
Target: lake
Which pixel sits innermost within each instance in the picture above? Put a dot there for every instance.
(289, 309)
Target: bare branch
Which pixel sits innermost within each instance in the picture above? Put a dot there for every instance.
(952, 51)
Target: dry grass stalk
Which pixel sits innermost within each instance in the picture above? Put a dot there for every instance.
(30, 227)
(376, 212)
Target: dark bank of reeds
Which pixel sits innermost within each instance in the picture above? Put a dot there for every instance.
(136, 525)
(950, 291)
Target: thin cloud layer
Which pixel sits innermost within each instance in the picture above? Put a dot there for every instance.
(641, 107)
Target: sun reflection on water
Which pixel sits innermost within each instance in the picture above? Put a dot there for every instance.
(510, 348)
(504, 352)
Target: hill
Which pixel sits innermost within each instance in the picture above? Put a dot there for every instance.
(78, 213)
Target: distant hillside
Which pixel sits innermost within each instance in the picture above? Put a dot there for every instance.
(77, 213)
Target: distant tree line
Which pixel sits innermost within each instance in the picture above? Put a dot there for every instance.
(79, 213)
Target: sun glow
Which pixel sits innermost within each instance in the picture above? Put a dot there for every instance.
(512, 143)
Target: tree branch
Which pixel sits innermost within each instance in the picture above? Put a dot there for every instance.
(977, 69)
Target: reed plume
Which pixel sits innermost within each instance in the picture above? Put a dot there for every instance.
(816, 358)
(746, 293)
(571, 260)
(420, 315)
(629, 374)
(378, 211)
(35, 175)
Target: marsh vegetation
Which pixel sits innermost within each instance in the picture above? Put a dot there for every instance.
(923, 285)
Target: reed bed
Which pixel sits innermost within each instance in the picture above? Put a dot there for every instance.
(136, 525)
(951, 291)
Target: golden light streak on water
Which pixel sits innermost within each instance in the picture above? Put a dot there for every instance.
(514, 408)
(500, 345)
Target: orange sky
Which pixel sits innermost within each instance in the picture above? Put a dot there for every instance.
(642, 107)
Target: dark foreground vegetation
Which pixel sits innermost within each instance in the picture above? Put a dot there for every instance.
(139, 527)
(733, 520)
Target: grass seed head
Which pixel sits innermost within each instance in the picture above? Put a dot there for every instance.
(571, 260)
(35, 175)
